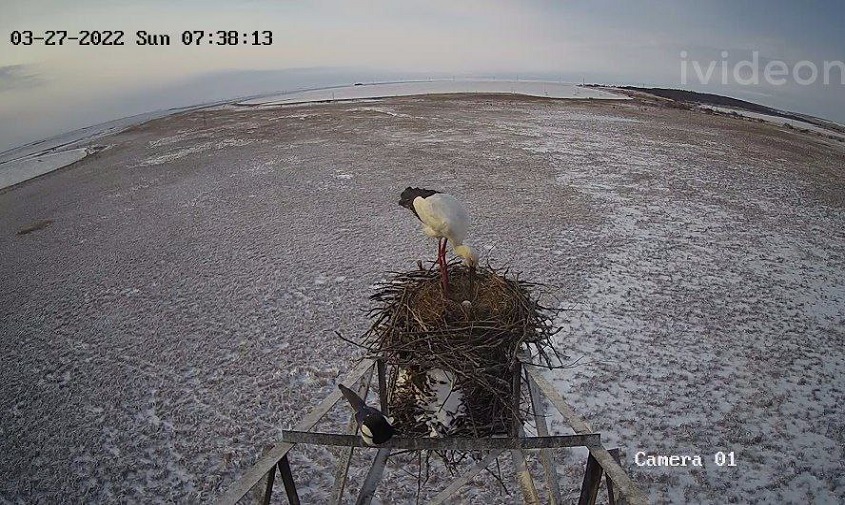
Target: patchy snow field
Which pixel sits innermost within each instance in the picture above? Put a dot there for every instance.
(777, 120)
(180, 310)
(38, 158)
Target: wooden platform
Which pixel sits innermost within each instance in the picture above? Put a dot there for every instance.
(600, 462)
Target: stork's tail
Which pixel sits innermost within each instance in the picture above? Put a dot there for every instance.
(354, 400)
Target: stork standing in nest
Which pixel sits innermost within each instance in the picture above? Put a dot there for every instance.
(444, 218)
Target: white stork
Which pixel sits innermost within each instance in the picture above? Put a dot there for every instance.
(444, 218)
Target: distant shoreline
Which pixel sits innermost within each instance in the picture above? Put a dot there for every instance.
(41, 157)
(38, 158)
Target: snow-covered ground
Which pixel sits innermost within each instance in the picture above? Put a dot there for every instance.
(180, 309)
(38, 158)
(35, 159)
(380, 90)
(36, 165)
(714, 319)
(803, 125)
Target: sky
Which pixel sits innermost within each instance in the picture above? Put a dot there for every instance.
(47, 90)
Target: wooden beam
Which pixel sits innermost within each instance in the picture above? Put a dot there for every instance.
(342, 469)
(516, 400)
(447, 443)
(458, 483)
(592, 481)
(368, 489)
(268, 488)
(546, 456)
(287, 479)
(254, 473)
(382, 387)
(523, 475)
(611, 498)
(523, 478)
(626, 486)
(569, 415)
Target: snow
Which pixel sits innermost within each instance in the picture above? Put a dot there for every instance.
(708, 324)
(25, 162)
(803, 125)
(443, 405)
(76, 138)
(177, 315)
(169, 157)
(16, 171)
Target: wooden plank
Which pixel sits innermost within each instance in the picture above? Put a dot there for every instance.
(629, 490)
(592, 481)
(611, 498)
(342, 469)
(523, 475)
(382, 387)
(460, 482)
(254, 474)
(447, 443)
(546, 456)
(626, 486)
(516, 392)
(523, 478)
(268, 489)
(368, 489)
(287, 479)
(577, 424)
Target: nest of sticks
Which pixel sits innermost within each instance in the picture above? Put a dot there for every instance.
(473, 337)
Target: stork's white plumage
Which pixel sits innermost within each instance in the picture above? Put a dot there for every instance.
(444, 218)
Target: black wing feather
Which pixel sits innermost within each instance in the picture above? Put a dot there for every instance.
(406, 199)
(354, 400)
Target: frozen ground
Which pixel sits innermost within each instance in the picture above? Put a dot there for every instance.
(37, 158)
(37, 165)
(77, 138)
(777, 120)
(380, 90)
(179, 310)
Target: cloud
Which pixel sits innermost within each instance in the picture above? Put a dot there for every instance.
(17, 76)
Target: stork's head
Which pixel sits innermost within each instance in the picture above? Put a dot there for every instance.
(469, 256)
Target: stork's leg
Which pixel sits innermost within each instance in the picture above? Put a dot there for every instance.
(440, 253)
(441, 263)
(444, 272)
(440, 257)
